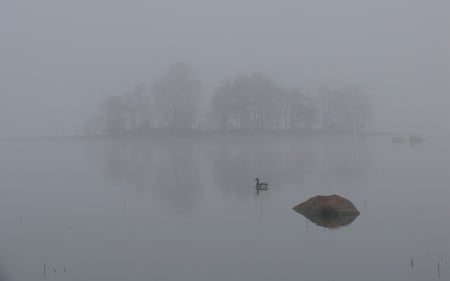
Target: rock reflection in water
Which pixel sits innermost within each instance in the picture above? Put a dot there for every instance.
(330, 211)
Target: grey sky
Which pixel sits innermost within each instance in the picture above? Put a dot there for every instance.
(59, 58)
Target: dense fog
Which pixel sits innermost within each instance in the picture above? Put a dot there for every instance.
(59, 60)
(224, 140)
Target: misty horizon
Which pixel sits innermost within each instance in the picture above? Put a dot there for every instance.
(60, 60)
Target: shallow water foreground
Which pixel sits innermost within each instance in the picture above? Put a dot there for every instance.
(186, 209)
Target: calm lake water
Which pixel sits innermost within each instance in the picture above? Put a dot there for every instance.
(185, 209)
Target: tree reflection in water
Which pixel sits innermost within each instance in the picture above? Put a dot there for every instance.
(171, 170)
(177, 169)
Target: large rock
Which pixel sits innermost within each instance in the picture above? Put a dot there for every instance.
(328, 210)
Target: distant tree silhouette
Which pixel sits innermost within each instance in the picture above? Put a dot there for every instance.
(114, 115)
(345, 109)
(176, 96)
(138, 107)
(248, 102)
(300, 110)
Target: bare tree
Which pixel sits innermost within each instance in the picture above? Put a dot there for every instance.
(138, 108)
(302, 110)
(248, 102)
(176, 96)
(346, 109)
(114, 115)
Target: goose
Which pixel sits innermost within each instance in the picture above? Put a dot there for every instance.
(260, 186)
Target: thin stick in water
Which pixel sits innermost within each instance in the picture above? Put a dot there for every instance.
(439, 269)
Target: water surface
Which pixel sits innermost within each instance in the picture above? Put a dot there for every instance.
(186, 209)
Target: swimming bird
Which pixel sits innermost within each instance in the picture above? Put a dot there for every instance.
(260, 186)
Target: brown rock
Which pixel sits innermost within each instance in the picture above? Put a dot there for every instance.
(329, 211)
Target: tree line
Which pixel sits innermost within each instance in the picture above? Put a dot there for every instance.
(247, 102)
